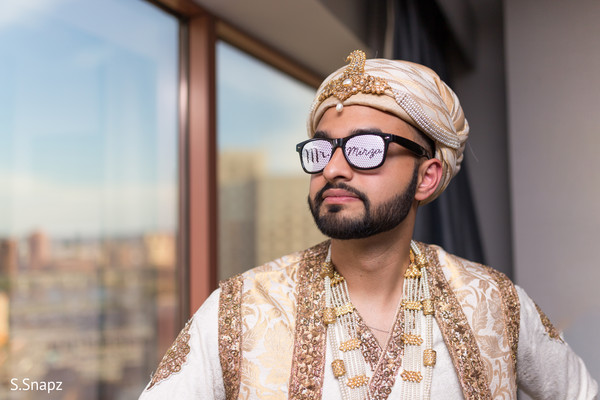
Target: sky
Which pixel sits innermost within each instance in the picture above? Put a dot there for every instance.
(88, 116)
(260, 108)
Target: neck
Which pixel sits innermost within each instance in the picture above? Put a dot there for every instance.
(374, 267)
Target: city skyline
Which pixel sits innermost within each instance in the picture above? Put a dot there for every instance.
(89, 205)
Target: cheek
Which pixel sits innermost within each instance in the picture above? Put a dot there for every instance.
(316, 183)
(394, 181)
(379, 192)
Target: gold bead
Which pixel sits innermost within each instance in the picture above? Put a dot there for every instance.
(429, 357)
(327, 269)
(339, 369)
(428, 307)
(412, 272)
(351, 344)
(411, 376)
(356, 381)
(329, 315)
(414, 340)
(345, 309)
(336, 278)
(412, 305)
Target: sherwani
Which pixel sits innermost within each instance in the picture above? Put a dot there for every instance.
(261, 336)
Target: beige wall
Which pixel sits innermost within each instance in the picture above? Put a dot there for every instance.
(482, 93)
(553, 60)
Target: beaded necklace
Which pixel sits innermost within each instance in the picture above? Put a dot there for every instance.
(349, 365)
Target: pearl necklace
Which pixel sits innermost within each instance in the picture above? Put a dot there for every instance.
(349, 365)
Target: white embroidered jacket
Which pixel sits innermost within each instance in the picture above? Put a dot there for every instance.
(261, 336)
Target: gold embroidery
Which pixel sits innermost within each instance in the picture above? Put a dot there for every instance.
(268, 308)
(511, 311)
(272, 362)
(387, 365)
(480, 298)
(457, 332)
(308, 362)
(174, 358)
(230, 334)
(550, 329)
(369, 346)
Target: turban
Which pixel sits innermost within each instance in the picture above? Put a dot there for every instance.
(410, 91)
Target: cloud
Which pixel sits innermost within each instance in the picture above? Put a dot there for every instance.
(23, 11)
(251, 78)
(29, 202)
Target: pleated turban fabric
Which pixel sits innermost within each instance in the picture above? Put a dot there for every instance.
(410, 91)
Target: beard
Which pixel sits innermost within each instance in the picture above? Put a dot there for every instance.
(383, 218)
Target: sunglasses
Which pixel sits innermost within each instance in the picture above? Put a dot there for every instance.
(361, 150)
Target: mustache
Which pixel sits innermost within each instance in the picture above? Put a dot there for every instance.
(340, 185)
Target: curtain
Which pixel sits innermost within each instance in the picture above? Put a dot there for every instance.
(417, 32)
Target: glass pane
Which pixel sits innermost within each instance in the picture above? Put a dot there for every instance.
(263, 210)
(88, 196)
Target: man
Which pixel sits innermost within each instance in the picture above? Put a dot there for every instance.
(372, 314)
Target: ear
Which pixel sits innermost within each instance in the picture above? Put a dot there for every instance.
(430, 175)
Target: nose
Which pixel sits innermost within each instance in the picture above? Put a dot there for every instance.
(337, 168)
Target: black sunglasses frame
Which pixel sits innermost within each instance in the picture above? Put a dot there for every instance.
(388, 138)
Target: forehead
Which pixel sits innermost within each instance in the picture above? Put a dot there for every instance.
(357, 118)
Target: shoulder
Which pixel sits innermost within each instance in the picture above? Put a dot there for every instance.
(541, 348)
(283, 270)
(258, 309)
(465, 272)
(272, 284)
(476, 283)
(190, 368)
(488, 301)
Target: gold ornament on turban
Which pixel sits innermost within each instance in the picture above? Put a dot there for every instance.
(410, 91)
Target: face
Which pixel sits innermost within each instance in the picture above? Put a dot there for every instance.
(347, 203)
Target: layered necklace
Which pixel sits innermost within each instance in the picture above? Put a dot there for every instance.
(340, 316)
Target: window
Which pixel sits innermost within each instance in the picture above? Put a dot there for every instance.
(261, 115)
(88, 194)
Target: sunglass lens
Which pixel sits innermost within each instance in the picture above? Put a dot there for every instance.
(315, 155)
(365, 151)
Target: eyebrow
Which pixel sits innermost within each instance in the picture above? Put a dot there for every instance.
(325, 135)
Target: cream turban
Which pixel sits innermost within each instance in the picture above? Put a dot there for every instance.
(410, 91)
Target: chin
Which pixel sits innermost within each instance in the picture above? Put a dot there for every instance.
(333, 209)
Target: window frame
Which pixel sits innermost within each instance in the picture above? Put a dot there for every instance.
(198, 203)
